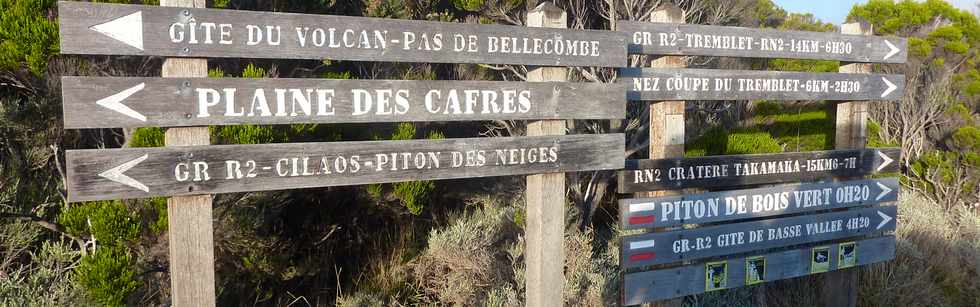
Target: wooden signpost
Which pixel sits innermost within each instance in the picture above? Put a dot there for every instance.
(149, 102)
(754, 269)
(669, 211)
(713, 84)
(741, 170)
(687, 39)
(189, 169)
(710, 241)
(90, 28)
(145, 172)
(822, 211)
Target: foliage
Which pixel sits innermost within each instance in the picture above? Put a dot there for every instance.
(411, 194)
(147, 137)
(109, 222)
(936, 260)
(27, 37)
(467, 258)
(108, 275)
(43, 276)
(719, 141)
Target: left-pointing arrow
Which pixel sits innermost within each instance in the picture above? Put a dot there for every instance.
(117, 174)
(127, 29)
(114, 102)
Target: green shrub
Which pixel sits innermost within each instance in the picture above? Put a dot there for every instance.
(718, 141)
(147, 137)
(413, 194)
(108, 275)
(874, 136)
(27, 37)
(967, 137)
(110, 222)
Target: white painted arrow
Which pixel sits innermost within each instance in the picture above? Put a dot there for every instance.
(885, 163)
(890, 89)
(892, 50)
(114, 102)
(116, 174)
(127, 29)
(884, 191)
(884, 220)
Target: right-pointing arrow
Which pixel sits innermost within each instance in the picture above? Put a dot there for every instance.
(891, 87)
(884, 219)
(886, 161)
(884, 191)
(114, 102)
(117, 174)
(892, 50)
(127, 29)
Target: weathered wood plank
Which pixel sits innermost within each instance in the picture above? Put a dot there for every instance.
(146, 172)
(687, 280)
(687, 39)
(95, 102)
(711, 241)
(90, 28)
(190, 233)
(544, 252)
(733, 205)
(741, 170)
(715, 84)
(840, 289)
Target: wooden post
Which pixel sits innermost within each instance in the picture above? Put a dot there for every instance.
(666, 119)
(545, 229)
(840, 287)
(190, 232)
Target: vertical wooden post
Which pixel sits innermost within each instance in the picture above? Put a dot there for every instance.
(545, 229)
(840, 287)
(666, 118)
(190, 231)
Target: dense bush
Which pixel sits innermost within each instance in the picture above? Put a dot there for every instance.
(27, 36)
(108, 275)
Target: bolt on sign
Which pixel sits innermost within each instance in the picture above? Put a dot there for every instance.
(148, 102)
(713, 84)
(90, 28)
(687, 39)
(711, 241)
(711, 207)
(741, 170)
(648, 286)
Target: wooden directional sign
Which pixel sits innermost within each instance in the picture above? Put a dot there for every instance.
(145, 102)
(686, 39)
(741, 170)
(690, 244)
(714, 84)
(753, 203)
(655, 285)
(146, 172)
(89, 28)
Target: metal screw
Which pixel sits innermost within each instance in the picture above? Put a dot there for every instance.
(187, 83)
(187, 50)
(187, 115)
(186, 12)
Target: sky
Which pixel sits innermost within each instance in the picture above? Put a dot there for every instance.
(835, 11)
